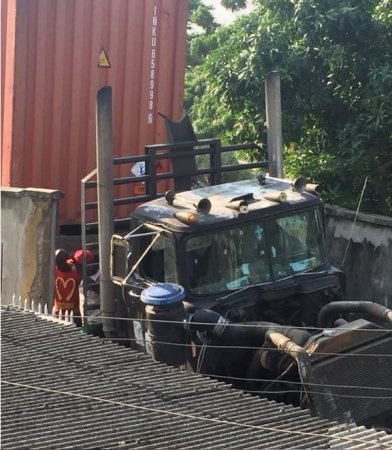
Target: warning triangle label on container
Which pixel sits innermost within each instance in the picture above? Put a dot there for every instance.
(159, 167)
(103, 60)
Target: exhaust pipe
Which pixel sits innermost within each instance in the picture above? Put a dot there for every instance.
(104, 152)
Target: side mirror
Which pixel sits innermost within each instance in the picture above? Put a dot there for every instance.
(119, 259)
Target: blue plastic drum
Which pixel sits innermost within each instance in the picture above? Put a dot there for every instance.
(162, 294)
(165, 316)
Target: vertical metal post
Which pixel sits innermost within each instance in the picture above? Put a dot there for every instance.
(105, 203)
(84, 248)
(152, 172)
(216, 162)
(53, 225)
(274, 124)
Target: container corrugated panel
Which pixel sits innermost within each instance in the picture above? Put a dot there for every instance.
(3, 10)
(51, 77)
(62, 388)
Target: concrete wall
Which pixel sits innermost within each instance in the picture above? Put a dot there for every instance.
(368, 261)
(28, 230)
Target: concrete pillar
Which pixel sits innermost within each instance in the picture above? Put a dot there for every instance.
(28, 231)
(274, 124)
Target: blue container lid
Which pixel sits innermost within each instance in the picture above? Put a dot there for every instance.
(162, 294)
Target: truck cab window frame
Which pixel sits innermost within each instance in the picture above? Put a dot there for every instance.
(252, 253)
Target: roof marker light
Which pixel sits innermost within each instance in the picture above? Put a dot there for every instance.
(204, 206)
(278, 197)
(239, 205)
(170, 196)
(313, 188)
(299, 185)
(187, 217)
(261, 178)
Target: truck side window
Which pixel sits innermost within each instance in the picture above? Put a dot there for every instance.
(159, 263)
(171, 275)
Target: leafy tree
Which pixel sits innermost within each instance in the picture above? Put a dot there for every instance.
(201, 15)
(335, 61)
(234, 5)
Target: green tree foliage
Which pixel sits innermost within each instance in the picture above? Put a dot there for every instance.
(335, 61)
(201, 15)
(234, 5)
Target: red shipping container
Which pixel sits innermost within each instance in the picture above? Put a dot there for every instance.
(50, 76)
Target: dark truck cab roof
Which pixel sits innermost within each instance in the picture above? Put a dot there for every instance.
(229, 202)
(233, 204)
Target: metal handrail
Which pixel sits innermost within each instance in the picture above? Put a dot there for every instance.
(155, 152)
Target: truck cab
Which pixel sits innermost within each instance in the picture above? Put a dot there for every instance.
(218, 241)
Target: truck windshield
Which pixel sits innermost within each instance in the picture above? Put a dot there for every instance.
(254, 253)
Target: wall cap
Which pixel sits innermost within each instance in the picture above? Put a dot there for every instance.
(336, 211)
(31, 192)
